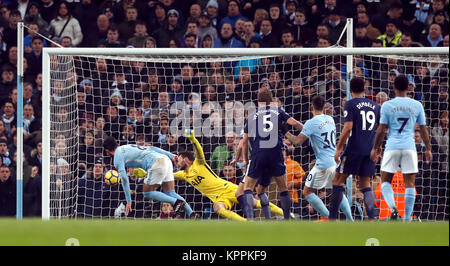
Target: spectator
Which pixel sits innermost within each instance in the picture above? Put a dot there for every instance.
(289, 9)
(407, 41)
(372, 32)
(321, 32)
(30, 122)
(166, 210)
(440, 135)
(127, 27)
(34, 59)
(10, 32)
(33, 16)
(226, 38)
(86, 12)
(393, 13)
(207, 41)
(249, 33)
(412, 25)
(5, 156)
(392, 36)
(48, 10)
(436, 7)
(32, 30)
(224, 152)
(140, 35)
(381, 98)
(434, 36)
(170, 31)
(93, 35)
(150, 42)
(66, 41)
(335, 23)
(205, 27)
(286, 38)
(361, 39)
(157, 18)
(441, 18)
(301, 28)
(233, 14)
(192, 31)
(212, 9)
(278, 20)
(260, 15)
(112, 39)
(268, 38)
(9, 118)
(230, 173)
(64, 24)
(7, 192)
(7, 82)
(33, 191)
(195, 11)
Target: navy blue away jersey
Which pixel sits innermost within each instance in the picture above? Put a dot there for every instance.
(365, 115)
(262, 129)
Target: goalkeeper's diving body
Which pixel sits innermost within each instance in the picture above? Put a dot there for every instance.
(195, 171)
(159, 172)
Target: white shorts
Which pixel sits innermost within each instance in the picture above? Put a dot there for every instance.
(320, 178)
(161, 171)
(406, 160)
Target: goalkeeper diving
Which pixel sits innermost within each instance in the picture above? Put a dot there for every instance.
(194, 170)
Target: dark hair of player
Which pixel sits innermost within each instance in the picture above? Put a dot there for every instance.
(318, 102)
(187, 154)
(357, 85)
(265, 96)
(401, 83)
(110, 143)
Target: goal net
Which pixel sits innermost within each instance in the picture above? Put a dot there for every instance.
(149, 98)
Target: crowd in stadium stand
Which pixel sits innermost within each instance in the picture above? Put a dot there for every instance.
(133, 101)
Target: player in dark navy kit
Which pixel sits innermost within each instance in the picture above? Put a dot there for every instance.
(361, 118)
(267, 161)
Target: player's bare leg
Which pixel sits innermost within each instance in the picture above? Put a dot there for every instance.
(220, 209)
(410, 195)
(388, 193)
(369, 196)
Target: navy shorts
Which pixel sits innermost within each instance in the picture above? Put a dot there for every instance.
(265, 165)
(353, 164)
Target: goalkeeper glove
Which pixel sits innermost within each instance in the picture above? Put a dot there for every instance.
(139, 172)
(189, 133)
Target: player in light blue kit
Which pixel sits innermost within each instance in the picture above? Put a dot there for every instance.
(157, 163)
(321, 131)
(400, 116)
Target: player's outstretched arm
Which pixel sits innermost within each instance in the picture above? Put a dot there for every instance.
(199, 154)
(426, 139)
(296, 124)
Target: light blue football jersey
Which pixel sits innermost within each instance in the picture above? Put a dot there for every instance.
(137, 157)
(401, 115)
(321, 132)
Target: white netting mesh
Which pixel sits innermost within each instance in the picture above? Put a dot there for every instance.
(150, 100)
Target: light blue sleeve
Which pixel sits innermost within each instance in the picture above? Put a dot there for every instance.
(307, 129)
(119, 164)
(384, 117)
(421, 120)
(158, 150)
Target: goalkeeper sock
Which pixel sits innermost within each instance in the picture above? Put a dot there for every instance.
(248, 204)
(159, 196)
(187, 208)
(410, 198)
(335, 201)
(317, 204)
(285, 200)
(230, 215)
(265, 204)
(388, 194)
(345, 207)
(369, 202)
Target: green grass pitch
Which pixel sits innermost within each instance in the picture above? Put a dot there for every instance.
(36, 232)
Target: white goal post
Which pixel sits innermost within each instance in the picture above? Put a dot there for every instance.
(186, 55)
